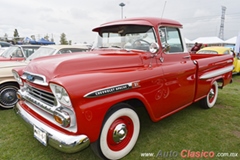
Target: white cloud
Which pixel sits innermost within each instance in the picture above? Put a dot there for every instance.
(201, 13)
(77, 18)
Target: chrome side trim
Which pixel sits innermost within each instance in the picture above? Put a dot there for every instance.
(217, 72)
(60, 141)
(230, 61)
(112, 89)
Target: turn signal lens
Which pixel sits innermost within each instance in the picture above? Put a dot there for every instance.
(19, 96)
(58, 119)
(62, 118)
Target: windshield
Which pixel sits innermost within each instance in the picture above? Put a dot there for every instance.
(126, 37)
(42, 51)
(2, 50)
(14, 51)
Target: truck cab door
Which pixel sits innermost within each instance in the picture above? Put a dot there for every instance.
(179, 72)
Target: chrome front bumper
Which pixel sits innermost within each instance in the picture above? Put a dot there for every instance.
(60, 141)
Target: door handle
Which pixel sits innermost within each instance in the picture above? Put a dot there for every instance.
(186, 57)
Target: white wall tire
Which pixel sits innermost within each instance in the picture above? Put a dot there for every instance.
(119, 133)
(210, 100)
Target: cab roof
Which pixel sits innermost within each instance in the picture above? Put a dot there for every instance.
(148, 21)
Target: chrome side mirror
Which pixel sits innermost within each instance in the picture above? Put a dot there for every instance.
(154, 48)
(166, 47)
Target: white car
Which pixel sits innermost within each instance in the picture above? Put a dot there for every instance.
(8, 84)
(57, 49)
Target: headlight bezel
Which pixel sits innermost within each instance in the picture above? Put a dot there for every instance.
(61, 95)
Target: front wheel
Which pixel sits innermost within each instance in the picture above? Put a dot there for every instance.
(210, 100)
(119, 133)
(8, 97)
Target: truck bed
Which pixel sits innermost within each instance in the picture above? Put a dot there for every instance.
(211, 66)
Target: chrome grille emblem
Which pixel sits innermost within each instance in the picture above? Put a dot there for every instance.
(30, 78)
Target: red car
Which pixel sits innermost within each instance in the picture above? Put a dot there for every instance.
(18, 52)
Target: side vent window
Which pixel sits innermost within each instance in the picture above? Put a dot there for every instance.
(171, 36)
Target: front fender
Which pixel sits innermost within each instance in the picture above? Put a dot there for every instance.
(7, 80)
(90, 112)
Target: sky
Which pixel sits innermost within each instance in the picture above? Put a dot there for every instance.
(77, 18)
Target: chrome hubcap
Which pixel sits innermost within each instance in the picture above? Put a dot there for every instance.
(211, 93)
(119, 133)
(8, 97)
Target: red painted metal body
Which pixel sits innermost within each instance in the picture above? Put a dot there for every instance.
(163, 88)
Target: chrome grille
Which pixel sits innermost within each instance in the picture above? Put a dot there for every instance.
(43, 96)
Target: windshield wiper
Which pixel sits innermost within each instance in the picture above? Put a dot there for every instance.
(102, 47)
(109, 47)
(115, 46)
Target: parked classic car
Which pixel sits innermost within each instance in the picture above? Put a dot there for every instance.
(223, 50)
(9, 86)
(5, 44)
(215, 50)
(18, 52)
(74, 100)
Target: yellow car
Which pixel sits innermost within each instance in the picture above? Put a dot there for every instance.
(222, 50)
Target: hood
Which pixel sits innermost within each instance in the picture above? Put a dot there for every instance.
(75, 63)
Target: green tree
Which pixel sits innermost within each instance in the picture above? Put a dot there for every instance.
(63, 39)
(5, 37)
(52, 40)
(33, 37)
(16, 36)
(46, 37)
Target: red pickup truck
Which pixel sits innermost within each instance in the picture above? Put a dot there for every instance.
(76, 100)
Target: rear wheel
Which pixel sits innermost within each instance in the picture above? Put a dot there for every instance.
(210, 100)
(119, 133)
(8, 97)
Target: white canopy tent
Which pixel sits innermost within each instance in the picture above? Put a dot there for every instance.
(237, 44)
(231, 40)
(209, 40)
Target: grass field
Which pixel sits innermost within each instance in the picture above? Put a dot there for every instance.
(192, 130)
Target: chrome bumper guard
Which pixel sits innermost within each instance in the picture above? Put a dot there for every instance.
(58, 140)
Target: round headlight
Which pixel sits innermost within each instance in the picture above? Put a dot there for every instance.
(61, 94)
(58, 92)
(17, 77)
